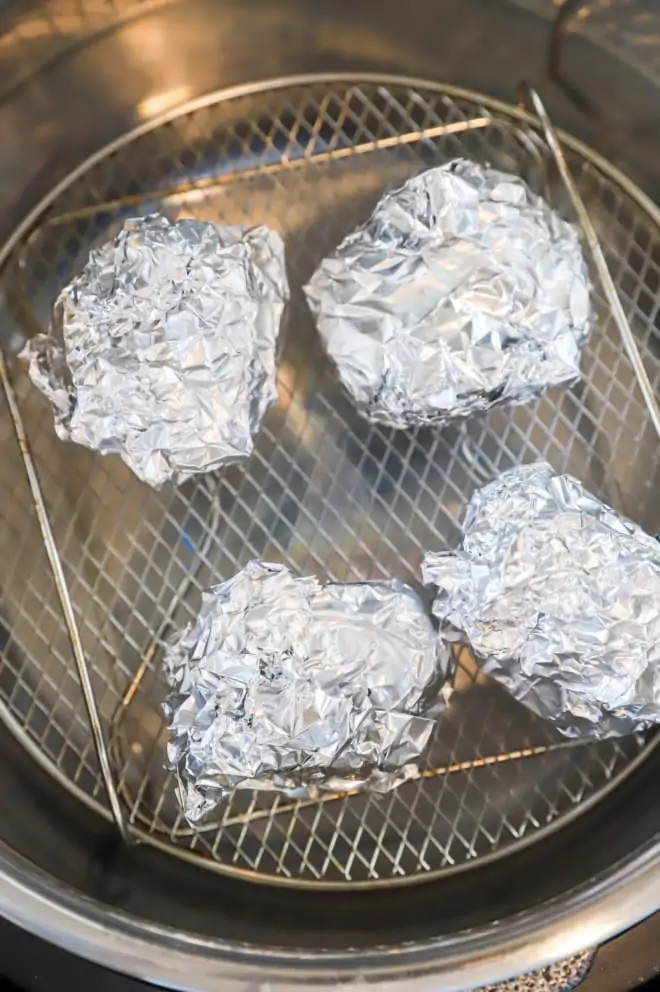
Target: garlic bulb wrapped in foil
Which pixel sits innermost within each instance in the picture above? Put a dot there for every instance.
(162, 350)
(285, 684)
(558, 597)
(462, 291)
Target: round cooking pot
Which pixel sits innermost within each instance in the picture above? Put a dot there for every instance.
(74, 77)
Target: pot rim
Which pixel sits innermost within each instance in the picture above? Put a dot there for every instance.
(191, 962)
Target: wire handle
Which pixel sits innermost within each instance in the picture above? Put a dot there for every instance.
(55, 563)
(528, 95)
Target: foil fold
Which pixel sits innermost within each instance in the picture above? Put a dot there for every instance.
(557, 596)
(283, 684)
(163, 349)
(464, 290)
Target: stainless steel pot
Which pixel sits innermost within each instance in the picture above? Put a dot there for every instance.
(73, 79)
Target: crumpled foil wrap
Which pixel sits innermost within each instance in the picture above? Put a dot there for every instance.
(163, 349)
(462, 291)
(558, 597)
(284, 684)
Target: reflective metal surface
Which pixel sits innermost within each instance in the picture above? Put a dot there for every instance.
(162, 350)
(148, 913)
(462, 291)
(204, 965)
(324, 492)
(556, 595)
(286, 685)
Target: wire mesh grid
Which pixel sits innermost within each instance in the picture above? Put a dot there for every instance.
(324, 491)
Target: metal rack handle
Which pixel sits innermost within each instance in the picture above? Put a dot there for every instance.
(64, 596)
(529, 96)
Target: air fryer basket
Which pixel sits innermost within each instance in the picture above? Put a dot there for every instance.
(324, 491)
(98, 569)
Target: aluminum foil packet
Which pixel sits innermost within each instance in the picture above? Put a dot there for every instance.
(284, 684)
(163, 349)
(558, 597)
(462, 291)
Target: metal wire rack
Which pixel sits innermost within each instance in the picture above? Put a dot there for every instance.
(324, 491)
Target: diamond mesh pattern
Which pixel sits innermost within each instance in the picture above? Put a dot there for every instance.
(324, 491)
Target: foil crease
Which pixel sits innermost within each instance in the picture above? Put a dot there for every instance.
(462, 291)
(163, 349)
(283, 684)
(557, 595)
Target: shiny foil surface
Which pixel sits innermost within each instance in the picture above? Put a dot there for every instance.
(558, 597)
(285, 684)
(463, 290)
(163, 349)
